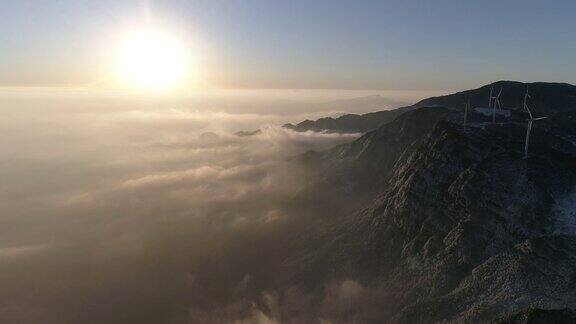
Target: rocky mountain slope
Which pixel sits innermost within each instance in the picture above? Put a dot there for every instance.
(455, 225)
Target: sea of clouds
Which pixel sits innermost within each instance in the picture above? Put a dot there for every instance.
(151, 214)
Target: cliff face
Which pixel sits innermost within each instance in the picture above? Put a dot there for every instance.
(460, 226)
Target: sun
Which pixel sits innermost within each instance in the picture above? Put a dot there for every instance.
(152, 59)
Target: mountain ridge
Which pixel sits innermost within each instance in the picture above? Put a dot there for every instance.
(546, 97)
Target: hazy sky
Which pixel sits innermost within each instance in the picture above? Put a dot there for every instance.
(444, 44)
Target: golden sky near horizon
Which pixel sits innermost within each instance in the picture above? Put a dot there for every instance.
(282, 45)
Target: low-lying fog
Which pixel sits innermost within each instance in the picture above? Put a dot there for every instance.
(109, 204)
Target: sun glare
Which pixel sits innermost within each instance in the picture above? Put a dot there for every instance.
(152, 59)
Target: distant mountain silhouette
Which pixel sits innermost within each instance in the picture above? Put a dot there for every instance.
(350, 123)
(555, 100)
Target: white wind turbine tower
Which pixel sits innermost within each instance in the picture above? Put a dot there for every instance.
(496, 103)
(530, 121)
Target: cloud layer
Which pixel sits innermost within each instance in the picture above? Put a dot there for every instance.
(147, 216)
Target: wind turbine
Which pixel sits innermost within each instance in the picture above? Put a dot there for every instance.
(496, 103)
(530, 121)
